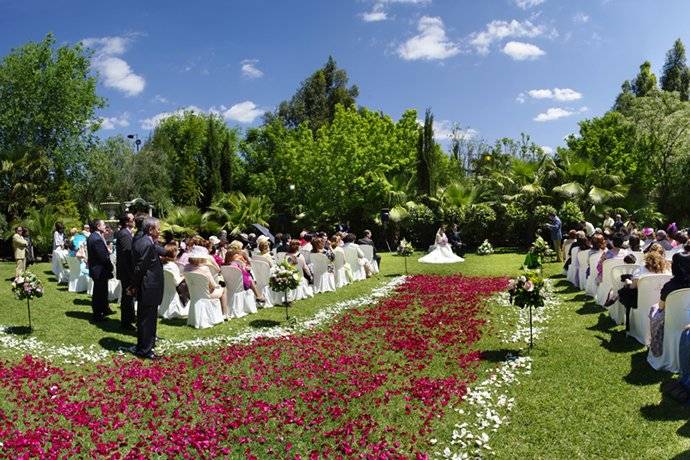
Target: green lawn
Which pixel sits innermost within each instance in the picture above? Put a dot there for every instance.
(590, 395)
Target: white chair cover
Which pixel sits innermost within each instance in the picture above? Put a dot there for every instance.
(368, 252)
(324, 281)
(677, 316)
(240, 302)
(307, 256)
(617, 310)
(204, 311)
(648, 292)
(639, 257)
(262, 274)
(583, 264)
(340, 272)
(78, 282)
(573, 268)
(605, 286)
(280, 256)
(566, 248)
(59, 262)
(670, 253)
(591, 285)
(171, 306)
(114, 289)
(352, 258)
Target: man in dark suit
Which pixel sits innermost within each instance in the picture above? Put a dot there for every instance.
(147, 285)
(100, 270)
(366, 240)
(125, 267)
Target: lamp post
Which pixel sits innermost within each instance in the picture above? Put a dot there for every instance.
(137, 141)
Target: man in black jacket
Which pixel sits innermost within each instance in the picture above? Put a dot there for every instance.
(369, 242)
(100, 270)
(125, 267)
(147, 285)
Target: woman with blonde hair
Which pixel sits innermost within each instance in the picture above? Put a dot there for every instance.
(199, 263)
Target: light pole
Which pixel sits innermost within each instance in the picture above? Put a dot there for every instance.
(137, 141)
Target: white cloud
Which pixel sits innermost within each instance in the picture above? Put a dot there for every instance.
(151, 123)
(583, 109)
(520, 98)
(250, 70)
(160, 99)
(498, 30)
(443, 131)
(115, 122)
(115, 71)
(559, 94)
(375, 15)
(581, 18)
(554, 113)
(243, 112)
(431, 42)
(520, 51)
(526, 4)
(547, 150)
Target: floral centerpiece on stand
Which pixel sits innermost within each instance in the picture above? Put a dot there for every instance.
(405, 249)
(527, 291)
(284, 278)
(27, 286)
(485, 248)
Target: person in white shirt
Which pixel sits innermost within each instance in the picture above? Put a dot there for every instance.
(608, 222)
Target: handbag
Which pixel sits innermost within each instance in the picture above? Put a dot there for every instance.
(183, 291)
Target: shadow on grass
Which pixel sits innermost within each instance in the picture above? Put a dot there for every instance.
(559, 276)
(498, 356)
(264, 323)
(669, 410)
(110, 324)
(589, 308)
(62, 288)
(582, 297)
(114, 344)
(641, 373)
(604, 323)
(173, 321)
(48, 272)
(52, 279)
(18, 330)
(86, 302)
(393, 275)
(618, 342)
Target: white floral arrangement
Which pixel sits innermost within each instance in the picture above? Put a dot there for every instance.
(405, 248)
(27, 286)
(284, 277)
(485, 248)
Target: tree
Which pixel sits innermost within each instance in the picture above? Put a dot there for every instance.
(676, 76)
(425, 155)
(317, 97)
(625, 98)
(211, 183)
(645, 81)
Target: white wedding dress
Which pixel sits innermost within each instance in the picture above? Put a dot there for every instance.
(442, 253)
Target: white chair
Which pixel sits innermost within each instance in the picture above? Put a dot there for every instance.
(605, 286)
(639, 257)
(307, 256)
(573, 268)
(583, 264)
(240, 302)
(78, 282)
(204, 311)
(368, 252)
(171, 306)
(59, 262)
(262, 274)
(566, 248)
(677, 316)
(670, 253)
(340, 271)
(280, 256)
(352, 258)
(324, 281)
(591, 285)
(617, 310)
(648, 292)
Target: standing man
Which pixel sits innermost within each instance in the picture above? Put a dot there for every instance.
(19, 245)
(555, 228)
(366, 240)
(100, 270)
(125, 269)
(147, 286)
(608, 222)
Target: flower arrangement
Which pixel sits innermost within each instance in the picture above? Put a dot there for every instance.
(405, 248)
(527, 291)
(485, 248)
(27, 286)
(284, 277)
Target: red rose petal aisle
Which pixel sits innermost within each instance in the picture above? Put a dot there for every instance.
(369, 384)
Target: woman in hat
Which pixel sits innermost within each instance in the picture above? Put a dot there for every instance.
(199, 261)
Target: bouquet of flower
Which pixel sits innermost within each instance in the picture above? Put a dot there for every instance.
(405, 248)
(284, 277)
(485, 248)
(527, 290)
(27, 286)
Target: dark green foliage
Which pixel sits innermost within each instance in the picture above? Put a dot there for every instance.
(478, 223)
(676, 76)
(570, 214)
(645, 82)
(425, 155)
(420, 227)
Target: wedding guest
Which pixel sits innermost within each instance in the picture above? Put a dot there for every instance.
(634, 243)
(59, 236)
(86, 230)
(366, 240)
(265, 252)
(100, 271)
(198, 263)
(555, 229)
(295, 257)
(662, 239)
(616, 252)
(30, 257)
(238, 258)
(680, 269)
(608, 222)
(19, 247)
(307, 246)
(282, 242)
(124, 270)
(170, 265)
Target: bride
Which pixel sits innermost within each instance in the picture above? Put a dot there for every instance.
(442, 253)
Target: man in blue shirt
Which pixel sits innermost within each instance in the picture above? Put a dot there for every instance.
(556, 234)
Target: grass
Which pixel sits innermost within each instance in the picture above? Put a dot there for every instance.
(591, 393)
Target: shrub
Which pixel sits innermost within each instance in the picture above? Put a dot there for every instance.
(516, 217)
(541, 214)
(479, 218)
(570, 214)
(648, 216)
(420, 225)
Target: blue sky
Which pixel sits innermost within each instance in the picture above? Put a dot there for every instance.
(499, 67)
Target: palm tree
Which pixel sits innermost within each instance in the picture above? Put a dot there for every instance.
(185, 220)
(236, 212)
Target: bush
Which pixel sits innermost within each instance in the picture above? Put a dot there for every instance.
(420, 226)
(479, 218)
(516, 218)
(648, 217)
(570, 215)
(451, 215)
(541, 214)
(622, 211)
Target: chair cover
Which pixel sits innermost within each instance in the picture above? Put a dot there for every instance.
(677, 316)
(648, 292)
(352, 258)
(368, 252)
(573, 268)
(670, 253)
(324, 281)
(566, 248)
(262, 273)
(59, 262)
(280, 256)
(240, 302)
(307, 256)
(583, 264)
(340, 271)
(605, 286)
(639, 257)
(204, 311)
(171, 306)
(78, 282)
(617, 310)
(591, 286)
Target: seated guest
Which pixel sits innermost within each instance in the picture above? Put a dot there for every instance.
(680, 269)
(634, 243)
(616, 252)
(662, 239)
(169, 265)
(366, 240)
(237, 258)
(183, 258)
(70, 242)
(307, 246)
(198, 263)
(265, 252)
(282, 242)
(648, 235)
(296, 258)
(349, 241)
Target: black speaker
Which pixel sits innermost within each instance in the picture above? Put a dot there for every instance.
(385, 215)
